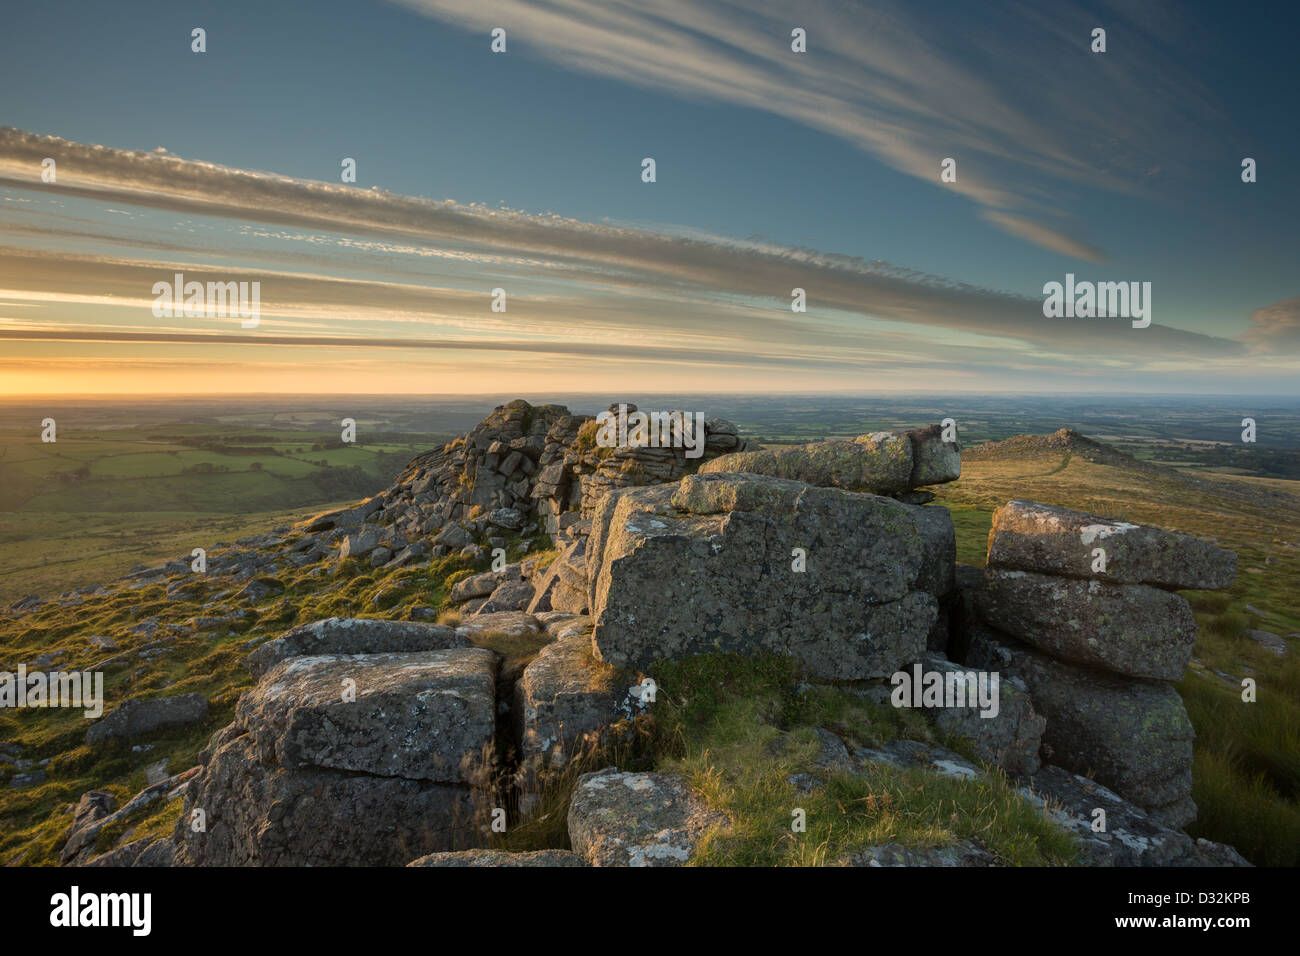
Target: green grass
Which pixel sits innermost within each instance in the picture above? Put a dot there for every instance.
(34, 820)
(738, 727)
(743, 726)
(972, 527)
(48, 553)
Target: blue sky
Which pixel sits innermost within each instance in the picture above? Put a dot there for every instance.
(1116, 166)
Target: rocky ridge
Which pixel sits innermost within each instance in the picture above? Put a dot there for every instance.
(385, 742)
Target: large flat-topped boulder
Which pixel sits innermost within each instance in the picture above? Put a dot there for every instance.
(1028, 536)
(1132, 736)
(344, 635)
(881, 463)
(422, 716)
(745, 563)
(258, 814)
(1131, 629)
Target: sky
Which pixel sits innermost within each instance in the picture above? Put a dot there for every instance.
(522, 171)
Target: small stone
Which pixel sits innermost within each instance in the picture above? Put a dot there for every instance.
(637, 819)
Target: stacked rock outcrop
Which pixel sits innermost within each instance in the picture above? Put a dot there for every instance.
(1082, 609)
(537, 466)
(577, 471)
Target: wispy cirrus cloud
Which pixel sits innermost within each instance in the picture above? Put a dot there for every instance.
(366, 273)
(903, 82)
(703, 272)
(1275, 328)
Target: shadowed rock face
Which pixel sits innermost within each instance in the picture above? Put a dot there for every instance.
(136, 717)
(1028, 536)
(1129, 629)
(1011, 738)
(1132, 736)
(1132, 837)
(963, 853)
(711, 565)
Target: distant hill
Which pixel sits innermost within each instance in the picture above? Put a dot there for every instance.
(1065, 440)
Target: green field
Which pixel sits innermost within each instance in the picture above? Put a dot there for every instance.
(86, 508)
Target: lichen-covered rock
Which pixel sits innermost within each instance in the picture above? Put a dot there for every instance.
(713, 564)
(134, 718)
(97, 810)
(158, 852)
(508, 596)
(1126, 836)
(880, 463)
(1132, 736)
(563, 702)
(422, 716)
(120, 856)
(1009, 738)
(347, 517)
(637, 819)
(1130, 629)
(257, 814)
(1028, 536)
(569, 590)
(94, 807)
(939, 552)
(481, 585)
(545, 583)
(540, 858)
(360, 544)
(883, 463)
(832, 757)
(510, 623)
(959, 853)
(563, 585)
(345, 635)
(1269, 642)
(906, 754)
